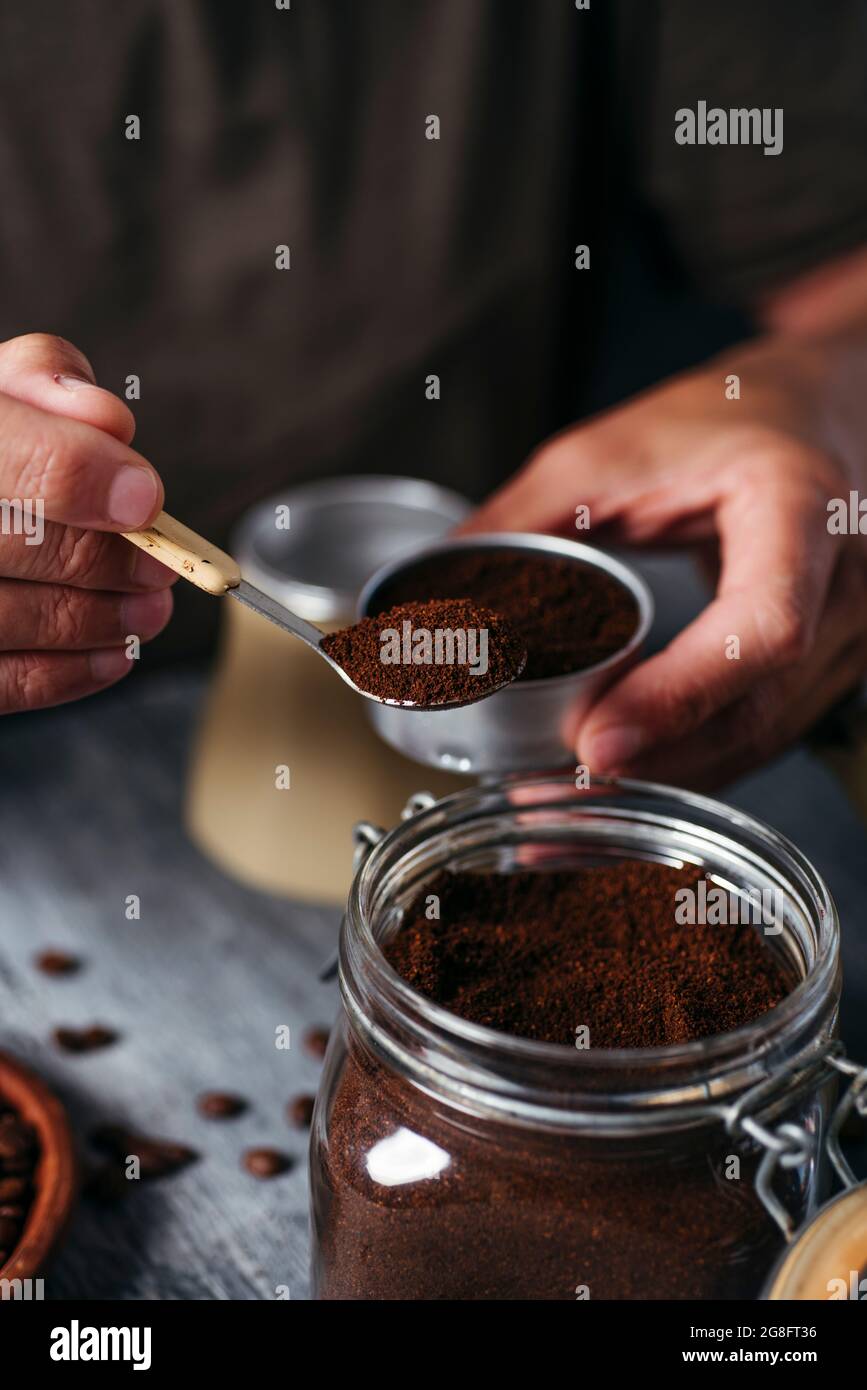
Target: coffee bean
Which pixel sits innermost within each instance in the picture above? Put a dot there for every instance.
(158, 1158)
(10, 1230)
(19, 1155)
(84, 1039)
(57, 963)
(315, 1040)
(220, 1105)
(14, 1189)
(266, 1163)
(20, 1166)
(17, 1139)
(300, 1111)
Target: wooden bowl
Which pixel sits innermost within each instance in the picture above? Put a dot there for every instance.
(55, 1179)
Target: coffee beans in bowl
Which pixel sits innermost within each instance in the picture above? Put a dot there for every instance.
(37, 1174)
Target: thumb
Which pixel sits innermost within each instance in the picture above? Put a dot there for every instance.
(54, 375)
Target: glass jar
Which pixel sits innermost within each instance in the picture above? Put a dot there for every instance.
(452, 1161)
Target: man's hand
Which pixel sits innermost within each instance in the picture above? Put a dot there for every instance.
(746, 482)
(69, 602)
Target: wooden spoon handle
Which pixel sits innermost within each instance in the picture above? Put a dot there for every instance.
(188, 554)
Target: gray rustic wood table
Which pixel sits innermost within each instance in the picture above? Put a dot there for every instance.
(90, 812)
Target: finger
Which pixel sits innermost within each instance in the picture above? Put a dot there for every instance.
(777, 560)
(39, 616)
(84, 559)
(51, 373)
(596, 471)
(757, 728)
(544, 494)
(76, 473)
(36, 680)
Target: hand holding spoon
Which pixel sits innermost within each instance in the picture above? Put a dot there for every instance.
(212, 570)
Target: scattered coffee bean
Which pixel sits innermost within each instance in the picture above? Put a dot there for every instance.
(300, 1111)
(315, 1041)
(84, 1039)
(157, 1158)
(266, 1163)
(220, 1105)
(57, 963)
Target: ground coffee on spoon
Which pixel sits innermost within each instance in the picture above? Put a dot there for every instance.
(424, 654)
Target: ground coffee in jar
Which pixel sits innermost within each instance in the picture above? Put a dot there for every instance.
(568, 615)
(537, 955)
(414, 1200)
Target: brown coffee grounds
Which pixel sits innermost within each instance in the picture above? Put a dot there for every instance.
(19, 1158)
(420, 676)
(568, 615)
(521, 1215)
(515, 1212)
(539, 954)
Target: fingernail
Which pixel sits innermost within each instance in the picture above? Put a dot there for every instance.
(132, 497)
(110, 664)
(71, 383)
(614, 747)
(144, 615)
(148, 572)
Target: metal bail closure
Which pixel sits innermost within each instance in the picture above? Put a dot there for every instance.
(365, 838)
(828, 1258)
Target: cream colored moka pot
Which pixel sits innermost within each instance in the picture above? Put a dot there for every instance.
(286, 761)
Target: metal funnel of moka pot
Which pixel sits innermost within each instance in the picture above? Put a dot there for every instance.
(529, 724)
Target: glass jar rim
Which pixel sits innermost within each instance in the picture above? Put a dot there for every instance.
(713, 1066)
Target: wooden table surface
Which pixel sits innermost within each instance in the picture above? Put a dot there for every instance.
(90, 812)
